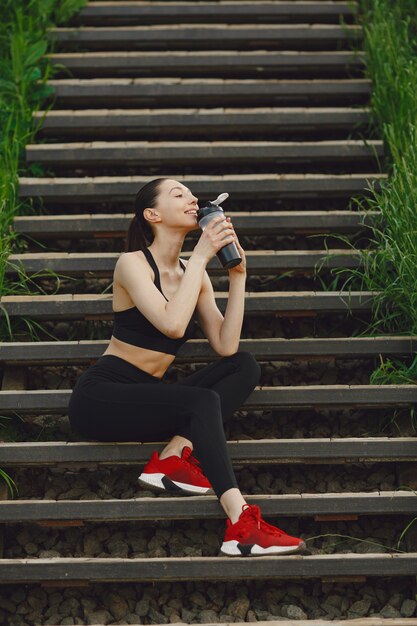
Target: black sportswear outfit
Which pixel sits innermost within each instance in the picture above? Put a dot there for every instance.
(114, 400)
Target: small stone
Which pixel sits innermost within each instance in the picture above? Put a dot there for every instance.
(396, 600)
(389, 611)
(335, 601)
(23, 608)
(187, 615)
(69, 607)
(54, 598)
(23, 537)
(88, 604)
(118, 606)
(293, 612)
(331, 611)
(31, 548)
(157, 617)
(175, 603)
(208, 616)
(261, 614)
(91, 545)
(131, 618)
(198, 599)
(309, 602)
(118, 548)
(174, 618)
(49, 554)
(408, 608)
(54, 619)
(99, 617)
(142, 607)
(359, 608)
(239, 607)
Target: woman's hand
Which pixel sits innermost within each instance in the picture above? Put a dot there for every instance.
(241, 268)
(217, 234)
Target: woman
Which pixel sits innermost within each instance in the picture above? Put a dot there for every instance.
(122, 396)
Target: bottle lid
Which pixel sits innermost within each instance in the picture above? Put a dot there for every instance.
(220, 198)
(211, 206)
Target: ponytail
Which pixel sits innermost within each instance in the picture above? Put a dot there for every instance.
(140, 234)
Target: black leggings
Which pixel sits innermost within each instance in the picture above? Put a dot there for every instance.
(115, 401)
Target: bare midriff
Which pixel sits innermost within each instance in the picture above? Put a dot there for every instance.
(150, 361)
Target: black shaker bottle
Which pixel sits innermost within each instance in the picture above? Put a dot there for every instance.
(228, 255)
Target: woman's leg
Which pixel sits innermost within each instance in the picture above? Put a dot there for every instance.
(108, 411)
(233, 377)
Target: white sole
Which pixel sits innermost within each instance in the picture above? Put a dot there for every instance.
(234, 548)
(162, 482)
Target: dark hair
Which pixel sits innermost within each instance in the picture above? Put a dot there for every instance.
(140, 234)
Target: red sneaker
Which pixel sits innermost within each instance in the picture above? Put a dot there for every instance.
(251, 535)
(179, 475)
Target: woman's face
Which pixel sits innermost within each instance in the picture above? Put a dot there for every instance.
(177, 206)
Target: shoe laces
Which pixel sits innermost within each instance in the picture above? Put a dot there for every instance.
(194, 463)
(252, 513)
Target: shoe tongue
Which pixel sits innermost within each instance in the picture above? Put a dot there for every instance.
(248, 509)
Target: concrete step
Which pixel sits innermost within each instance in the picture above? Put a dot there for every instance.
(259, 222)
(199, 350)
(188, 122)
(122, 189)
(314, 505)
(177, 92)
(262, 398)
(109, 569)
(261, 451)
(212, 63)
(202, 36)
(258, 262)
(123, 12)
(99, 306)
(171, 153)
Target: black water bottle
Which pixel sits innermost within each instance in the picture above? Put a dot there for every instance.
(228, 255)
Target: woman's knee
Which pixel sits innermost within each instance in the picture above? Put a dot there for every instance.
(249, 366)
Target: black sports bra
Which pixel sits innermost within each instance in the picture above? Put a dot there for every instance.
(131, 326)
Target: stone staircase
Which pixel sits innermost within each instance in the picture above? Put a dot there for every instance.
(267, 101)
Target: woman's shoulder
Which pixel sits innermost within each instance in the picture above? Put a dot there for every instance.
(131, 262)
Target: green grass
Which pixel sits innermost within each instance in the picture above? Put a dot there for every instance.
(389, 267)
(390, 30)
(390, 46)
(24, 71)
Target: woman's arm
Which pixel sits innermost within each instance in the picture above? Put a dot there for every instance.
(171, 317)
(223, 333)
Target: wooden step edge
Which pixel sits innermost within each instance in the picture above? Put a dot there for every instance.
(198, 350)
(258, 262)
(332, 506)
(244, 451)
(219, 568)
(183, 114)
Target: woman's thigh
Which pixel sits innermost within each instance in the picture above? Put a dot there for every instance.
(110, 411)
(233, 377)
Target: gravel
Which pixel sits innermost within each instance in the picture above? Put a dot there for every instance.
(199, 602)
